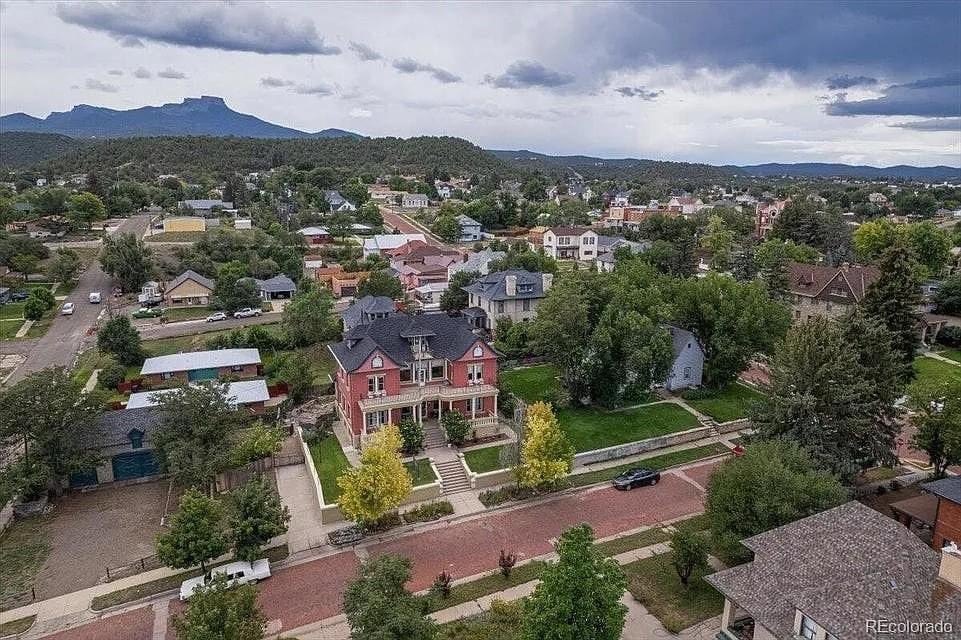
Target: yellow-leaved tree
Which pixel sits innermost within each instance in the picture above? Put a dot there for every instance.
(546, 456)
(379, 484)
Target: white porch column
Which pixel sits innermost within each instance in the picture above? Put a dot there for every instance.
(473, 409)
(495, 406)
(440, 409)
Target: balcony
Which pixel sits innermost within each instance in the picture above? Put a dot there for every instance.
(416, 395)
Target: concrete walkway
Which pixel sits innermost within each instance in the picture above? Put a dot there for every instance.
(24, 328)
(938, 356)
(295, 487)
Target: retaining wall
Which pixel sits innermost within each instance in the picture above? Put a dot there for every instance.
(640, 446)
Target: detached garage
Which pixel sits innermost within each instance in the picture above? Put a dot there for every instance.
(124, 444)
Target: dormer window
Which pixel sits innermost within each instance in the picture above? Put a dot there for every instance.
(377, 362)
(478, 351)
(525, 288)
(136, 438)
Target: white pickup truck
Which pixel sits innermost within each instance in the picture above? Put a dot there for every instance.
(235, 572)
(246, 312)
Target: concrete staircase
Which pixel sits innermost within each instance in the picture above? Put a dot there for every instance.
(434, 436)
(453, 476)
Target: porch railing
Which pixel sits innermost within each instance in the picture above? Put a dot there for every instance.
(427, 392)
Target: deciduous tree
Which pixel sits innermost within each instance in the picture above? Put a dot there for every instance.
(546, 456)
(455, 298)
(221, 612)
(65, 266)
(308, 317)
(578, 597)
(379, 607)
(234, 289)
(195, 535)
(84, 208)
(120, 339)
(128, 259)
(773, 484)
(381, 283)
(380, 483)
(938, 421)
(688, 554)
(255, 515)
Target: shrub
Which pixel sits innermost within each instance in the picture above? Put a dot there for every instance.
(441, 586)
(950, 336)
(34, 308)
(506, 562)
(111, 375)
(43, 295)
(387, 521)
(429, 511)
(412, 435)
(455, 426)
(493, 497)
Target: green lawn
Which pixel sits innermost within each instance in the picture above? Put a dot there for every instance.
(530, 383)
(23, 549)
(953, 354)
(932, 369)
(637, 540)
(175, 236)
(12, 310)
(483, 460)
(178, 314)
(487, 585)
(589, 428)
(654, 583)
(421, 472)
(661, 462)
(9, 328)
(729, 403)
(330, 462)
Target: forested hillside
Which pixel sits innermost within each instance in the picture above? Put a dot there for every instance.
(648, 171)
(196, 156)
(20, 149)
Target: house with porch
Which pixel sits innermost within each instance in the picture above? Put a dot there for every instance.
(189, 288)
(315, 235)
(470, 229)
(835, 576)
(570, 243)
(415, 367)
(196, 366)
(414, 201)
(337, 202)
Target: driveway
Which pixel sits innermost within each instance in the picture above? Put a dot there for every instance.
(400, 222)
(63, 340)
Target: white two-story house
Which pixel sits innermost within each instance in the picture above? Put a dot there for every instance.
(570, 243)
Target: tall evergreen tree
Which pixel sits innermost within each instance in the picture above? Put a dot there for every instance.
(895, 298)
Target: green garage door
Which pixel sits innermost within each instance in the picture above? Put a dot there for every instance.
(199, 375)
(135, 464)
(83, 478)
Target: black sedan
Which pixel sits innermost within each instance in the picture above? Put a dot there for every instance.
(636, 478)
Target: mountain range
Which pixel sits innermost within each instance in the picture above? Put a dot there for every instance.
(210, 116)
(206, 115)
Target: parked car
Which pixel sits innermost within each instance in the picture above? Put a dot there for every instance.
(636, 478)
(147, 312)
(246, 312)
(94, 297)
(19, 296)
(235, 572)
(67, 309)
(217, 317)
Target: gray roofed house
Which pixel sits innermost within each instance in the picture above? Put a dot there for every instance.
(830, 574)
(279, 286)
(449, 337)
(607, 245)
(195, 360)
(189, 288)
(204, 205)
(337, 202)
(115, 427)
(514, 294)
(478, 261)
(470, 229)
(947, 488)
(123, 441)
(366, 310)
(242, 392)
(687, 368)
(190, 274)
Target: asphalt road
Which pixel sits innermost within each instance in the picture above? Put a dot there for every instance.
(67, 334)
(392, 218)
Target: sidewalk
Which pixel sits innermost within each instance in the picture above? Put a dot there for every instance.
(936, 356)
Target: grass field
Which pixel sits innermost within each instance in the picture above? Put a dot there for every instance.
(179, 314)
(590, 428)
(9, 328)
(330, 462)
(12, 310)
(483, 460)
(931, 369)
(728, 403)
(23, 550)
(420, 471)
(660, 462)
(952, 354)
(175, 236)
(530, 383)
(654, 583)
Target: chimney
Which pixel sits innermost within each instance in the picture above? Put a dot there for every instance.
(511, 283)
(950, 569)
(547, 280)
(845, 266)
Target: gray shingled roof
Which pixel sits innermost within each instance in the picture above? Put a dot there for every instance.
(115, 426)
(947, 488)
(355, 314)
(840, 567)
(493, 286)
(190, 274)
(450, 338)
(200, 360)
(277, 284)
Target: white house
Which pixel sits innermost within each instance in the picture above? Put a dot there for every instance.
(470, 229)
(444, 190)
(41, 182)
(686, 205)
(570, 243)
(377, 244)
(337, 202)
(414, 201)
(621, 199)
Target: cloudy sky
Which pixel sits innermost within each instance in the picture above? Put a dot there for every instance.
(723, 82)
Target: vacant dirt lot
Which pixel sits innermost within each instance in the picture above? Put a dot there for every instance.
(86, 532)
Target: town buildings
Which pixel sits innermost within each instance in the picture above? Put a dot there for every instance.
(382, 243)
(416, 367)
(512, 294)
(197, 366)
(570, 243)
(478, 262)
(827, 291)
(470, 229)
(766, 214)
(189, 288)
(836, 575)
(414, 201)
